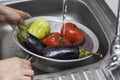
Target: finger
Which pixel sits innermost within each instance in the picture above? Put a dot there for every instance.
(2, 18)
(24, 15)
(12, 23)
(26, 66)
(26, 78)
(28, 73)
(22, 22)
(27, 15)
(26, 62)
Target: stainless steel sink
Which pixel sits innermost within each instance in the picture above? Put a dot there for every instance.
(90, 13)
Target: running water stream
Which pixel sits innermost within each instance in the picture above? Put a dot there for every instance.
(64, 10)
(64, 13)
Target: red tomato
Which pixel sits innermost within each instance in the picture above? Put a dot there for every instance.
(55, 39)
(71, 32)
(65, 41)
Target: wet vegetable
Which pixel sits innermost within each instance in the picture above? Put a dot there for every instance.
(66, 52)
(35, 45)
(55, 39)
(39, 28)
(73, 33)
(29, 41)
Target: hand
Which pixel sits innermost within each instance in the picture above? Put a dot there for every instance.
(15, 69)
(12, 15)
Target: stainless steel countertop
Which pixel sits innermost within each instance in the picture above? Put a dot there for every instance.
(75, 74)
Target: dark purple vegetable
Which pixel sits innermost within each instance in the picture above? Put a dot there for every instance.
(33, 44)
(29, 41)
(61, 52)
(65, 52)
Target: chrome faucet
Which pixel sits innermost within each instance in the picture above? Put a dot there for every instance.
(115, 46)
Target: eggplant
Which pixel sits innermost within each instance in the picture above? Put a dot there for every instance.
(29, 41)
(33, 44)
(61, 52)
(66, 52)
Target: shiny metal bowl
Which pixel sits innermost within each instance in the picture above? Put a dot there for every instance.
(91, 43)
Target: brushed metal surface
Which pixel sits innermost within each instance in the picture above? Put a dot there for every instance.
(92, 13)
(78, 11)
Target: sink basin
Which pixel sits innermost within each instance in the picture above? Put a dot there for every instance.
(80, 11)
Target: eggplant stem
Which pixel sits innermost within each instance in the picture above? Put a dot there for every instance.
(84, 53)
(22, 32)
(98, 54)
(20, 27)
